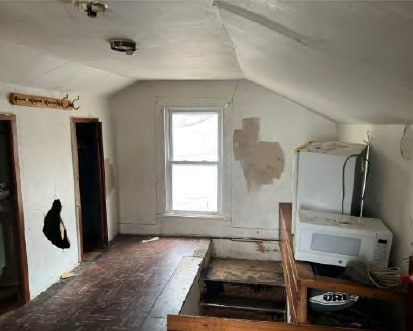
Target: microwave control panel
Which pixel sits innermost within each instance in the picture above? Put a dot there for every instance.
(381, 251)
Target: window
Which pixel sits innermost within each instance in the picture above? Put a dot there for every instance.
(193, 160)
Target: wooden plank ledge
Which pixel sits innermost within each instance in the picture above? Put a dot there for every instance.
(245, 271)
(348, 286)
(201, 323)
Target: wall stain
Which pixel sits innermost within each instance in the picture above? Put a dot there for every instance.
(110, 178)
(261, 248)
(261, 161)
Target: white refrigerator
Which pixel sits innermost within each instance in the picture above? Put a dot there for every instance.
(328, 176)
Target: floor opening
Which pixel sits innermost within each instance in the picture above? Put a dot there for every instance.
(244, 289)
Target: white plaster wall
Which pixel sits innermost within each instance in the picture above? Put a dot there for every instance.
(264, 250)
(139, 146)
(46, 169)
(390, 184)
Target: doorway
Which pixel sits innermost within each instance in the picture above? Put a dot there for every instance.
(90, 185)
(14, 284)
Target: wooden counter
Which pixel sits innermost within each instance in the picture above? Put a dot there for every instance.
(203, 323)
(299, 276)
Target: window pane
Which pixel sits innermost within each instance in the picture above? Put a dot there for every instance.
(194, 187)
(194, 136)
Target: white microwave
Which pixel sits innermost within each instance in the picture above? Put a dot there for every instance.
(336, 239)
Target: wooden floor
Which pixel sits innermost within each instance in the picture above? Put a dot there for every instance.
(127, 288)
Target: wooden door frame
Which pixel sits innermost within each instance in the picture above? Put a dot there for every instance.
(409, 307)
(104, 222)
(23, 267)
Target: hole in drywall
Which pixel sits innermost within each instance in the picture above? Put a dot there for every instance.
(53, 227)
(261, 161)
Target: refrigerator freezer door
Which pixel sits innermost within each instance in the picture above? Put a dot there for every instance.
(320, 182)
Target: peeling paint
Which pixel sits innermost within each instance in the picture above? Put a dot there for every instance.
(261, 161)
(110, 178)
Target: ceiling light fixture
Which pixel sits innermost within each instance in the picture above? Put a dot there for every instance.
(92, 8)
(126, 46)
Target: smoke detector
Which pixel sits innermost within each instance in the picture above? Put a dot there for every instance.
(126, 46)
(91, 8)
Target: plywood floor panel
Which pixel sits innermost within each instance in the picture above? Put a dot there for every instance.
(245, 271)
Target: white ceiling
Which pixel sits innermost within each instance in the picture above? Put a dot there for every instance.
(347, 60)
(176, 39)
(28, 67)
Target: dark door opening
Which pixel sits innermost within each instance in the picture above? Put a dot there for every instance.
(91, 185)
(14, 288)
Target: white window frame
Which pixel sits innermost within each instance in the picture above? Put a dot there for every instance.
(168, 111)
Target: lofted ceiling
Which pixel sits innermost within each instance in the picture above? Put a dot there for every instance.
(347, 60)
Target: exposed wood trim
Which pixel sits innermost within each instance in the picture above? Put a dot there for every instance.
(23, 267)
(84, 120)
(7, 117)
(302, 306)
(242, 239)
(78, 205)
(409, 310)
(291, 290)
(24, 272)
(102, 181)
(201, 323)
(347, 286)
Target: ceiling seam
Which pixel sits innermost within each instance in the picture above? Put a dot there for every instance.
(258, 83)
(229, 37)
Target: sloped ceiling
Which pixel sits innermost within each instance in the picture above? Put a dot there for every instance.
(347, 60)
(28, 67)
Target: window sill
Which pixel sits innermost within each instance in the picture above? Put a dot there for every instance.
(195, 216)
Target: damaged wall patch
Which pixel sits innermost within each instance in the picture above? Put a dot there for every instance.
(261, 161)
